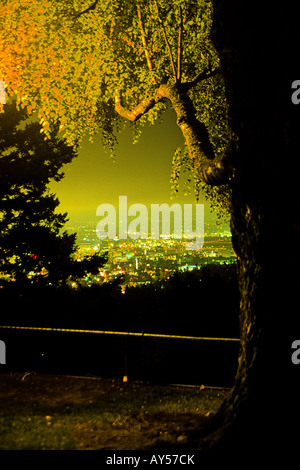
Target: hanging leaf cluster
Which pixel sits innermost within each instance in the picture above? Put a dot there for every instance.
(64, 62)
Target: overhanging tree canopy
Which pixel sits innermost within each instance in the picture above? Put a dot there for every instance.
(88, 65)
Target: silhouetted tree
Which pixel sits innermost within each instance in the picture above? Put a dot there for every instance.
(33, 247)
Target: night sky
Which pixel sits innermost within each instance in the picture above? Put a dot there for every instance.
(140, 171)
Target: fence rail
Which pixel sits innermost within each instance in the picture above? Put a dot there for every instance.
(149, 357)
(118, 333)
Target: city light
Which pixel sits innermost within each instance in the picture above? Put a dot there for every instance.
(143, 261)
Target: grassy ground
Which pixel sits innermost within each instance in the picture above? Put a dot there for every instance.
(49, 412)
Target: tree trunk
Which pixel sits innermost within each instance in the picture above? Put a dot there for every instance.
(258, 51)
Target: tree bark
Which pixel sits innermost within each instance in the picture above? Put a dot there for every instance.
(258, 50)
(212, 169)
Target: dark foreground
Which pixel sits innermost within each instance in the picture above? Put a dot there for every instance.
(52, 412)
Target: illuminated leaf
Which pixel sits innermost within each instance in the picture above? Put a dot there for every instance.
(68, 66)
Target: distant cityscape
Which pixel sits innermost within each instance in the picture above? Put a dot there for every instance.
(145, 260)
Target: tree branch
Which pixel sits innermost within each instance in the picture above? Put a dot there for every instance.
(87, 10)
(179, 54)
(149, 63)
(200, 77)
(166, 40)
(212, 169)
(140, 109)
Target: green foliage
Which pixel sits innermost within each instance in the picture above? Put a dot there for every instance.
(218, 196)
(68, 67)
(66, 63)
(32, 245)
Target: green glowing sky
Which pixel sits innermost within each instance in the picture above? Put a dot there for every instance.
(141, 172)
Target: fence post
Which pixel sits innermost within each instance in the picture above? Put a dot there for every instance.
(125, 376)
(143, 356)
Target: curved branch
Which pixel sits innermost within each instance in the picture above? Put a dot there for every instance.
(87, 10)
(140, 109)
(212, 169)
(199, 78)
